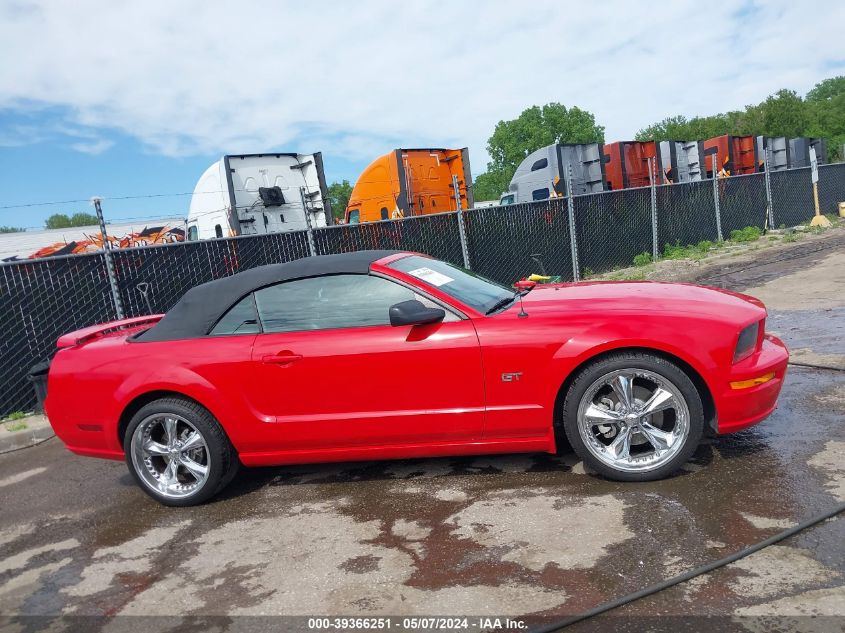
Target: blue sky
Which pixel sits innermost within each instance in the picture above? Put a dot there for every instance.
(132, 98)
(64, 166)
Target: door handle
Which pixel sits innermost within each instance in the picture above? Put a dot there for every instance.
(282, 358)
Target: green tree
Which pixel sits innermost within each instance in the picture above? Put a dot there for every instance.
(62, 221)
(491, 184)
(826, 112)
(534, 128)
(679, 128)
(827, 90)
(83, 219)
(339, 193)
(58, 221)
(11, 229)
(784, 114)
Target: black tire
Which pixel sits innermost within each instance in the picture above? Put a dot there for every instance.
(222, 459)
(634, 361)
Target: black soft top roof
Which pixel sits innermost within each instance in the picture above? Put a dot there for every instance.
(202, 306)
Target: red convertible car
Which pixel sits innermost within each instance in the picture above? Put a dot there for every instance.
(384, 355)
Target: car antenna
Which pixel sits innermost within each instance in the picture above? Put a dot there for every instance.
(522, 313)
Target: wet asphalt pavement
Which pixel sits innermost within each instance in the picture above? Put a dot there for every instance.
(501, 535)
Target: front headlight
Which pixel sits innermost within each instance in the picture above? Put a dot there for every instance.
(747, 342)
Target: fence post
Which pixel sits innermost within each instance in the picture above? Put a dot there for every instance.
(573, 241)
(461, 228)
(770, 212)
(653, 186)
(716, 201)
(309, 231)
(115, 294)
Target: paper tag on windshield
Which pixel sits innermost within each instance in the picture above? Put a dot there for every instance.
(431, 276)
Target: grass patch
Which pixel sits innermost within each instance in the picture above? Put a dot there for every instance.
(790, 237)
(748, 234)
(691, 251)
(634, 275)
(17, 415)
(17, 425)
(643, 259)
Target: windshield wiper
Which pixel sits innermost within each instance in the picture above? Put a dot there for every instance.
(501, 303)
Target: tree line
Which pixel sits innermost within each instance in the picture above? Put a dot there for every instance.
(819, 113)
(59, 221)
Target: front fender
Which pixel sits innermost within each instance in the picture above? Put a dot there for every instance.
(703, 345)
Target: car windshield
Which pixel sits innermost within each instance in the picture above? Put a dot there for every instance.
(477, 292)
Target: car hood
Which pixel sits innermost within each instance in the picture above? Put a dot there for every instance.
(644, 297)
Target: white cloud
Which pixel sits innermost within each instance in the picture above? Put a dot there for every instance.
(93, 147)
(356, 79)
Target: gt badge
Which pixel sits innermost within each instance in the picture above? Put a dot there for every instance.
(511, 377)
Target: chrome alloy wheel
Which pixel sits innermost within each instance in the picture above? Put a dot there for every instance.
(633, 420)
(170, 455)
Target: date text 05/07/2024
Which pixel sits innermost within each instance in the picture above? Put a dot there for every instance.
(423, 623)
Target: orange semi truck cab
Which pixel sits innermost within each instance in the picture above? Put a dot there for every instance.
(730, 155)
(626, 164)
(408, 182)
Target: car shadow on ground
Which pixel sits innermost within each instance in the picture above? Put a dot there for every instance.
(565, 463)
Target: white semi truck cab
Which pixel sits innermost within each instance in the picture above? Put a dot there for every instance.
(543, 173)
(253, 194)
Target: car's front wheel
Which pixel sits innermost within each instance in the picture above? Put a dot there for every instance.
(178, 453)
(633, 416)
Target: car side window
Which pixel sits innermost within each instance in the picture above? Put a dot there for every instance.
(240, 319)
(328, 302)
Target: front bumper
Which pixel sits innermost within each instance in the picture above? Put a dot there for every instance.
(737, 409)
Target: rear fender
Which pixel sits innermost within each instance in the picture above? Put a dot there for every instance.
(179, 380)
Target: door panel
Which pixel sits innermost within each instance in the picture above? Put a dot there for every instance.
(368, 386)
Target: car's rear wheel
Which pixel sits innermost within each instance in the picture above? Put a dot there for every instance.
(178, 452)
(633, 416)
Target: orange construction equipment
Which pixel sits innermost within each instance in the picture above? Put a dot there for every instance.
(408, 182)
(730, 156)
(94, 242)
(627, 163)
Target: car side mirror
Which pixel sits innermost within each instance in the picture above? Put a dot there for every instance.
(413, 312)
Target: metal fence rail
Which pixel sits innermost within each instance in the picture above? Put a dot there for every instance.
(42, 299)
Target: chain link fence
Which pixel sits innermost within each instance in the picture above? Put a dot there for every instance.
(742, 202)
(831, 184)
(593, 233)
(612, 228)
(501, 240)
(39, 301)
(151, 279)
(437, 235)
(792, 194)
